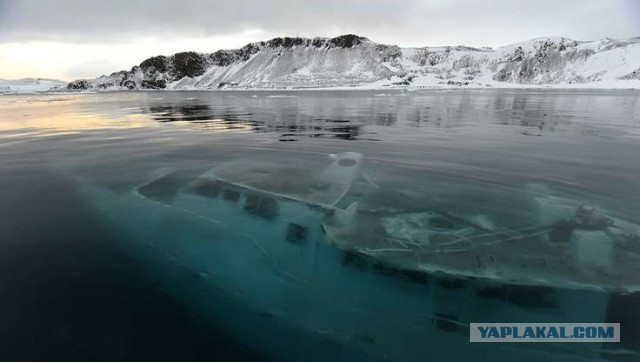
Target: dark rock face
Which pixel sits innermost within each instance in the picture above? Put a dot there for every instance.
(129, 84)
(187, 64)
(247, 51)
(223, 58)
(343, 41)
(160, 69)
(285, 42)
(79, 85)
(347, 41)
(154, 84)
(157, 63)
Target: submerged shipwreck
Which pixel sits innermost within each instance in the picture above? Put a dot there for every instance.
(332, 253)
(558, 242)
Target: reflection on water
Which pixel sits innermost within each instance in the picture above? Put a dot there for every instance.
(606, 114)
(290, 127)
(118, 210)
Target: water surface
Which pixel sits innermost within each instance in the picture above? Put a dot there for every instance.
(74, 287)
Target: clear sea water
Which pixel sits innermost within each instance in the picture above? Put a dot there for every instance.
(84, 279)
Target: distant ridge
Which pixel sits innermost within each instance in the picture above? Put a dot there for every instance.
(30, 85)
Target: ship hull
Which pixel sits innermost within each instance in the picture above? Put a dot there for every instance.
(289, 298)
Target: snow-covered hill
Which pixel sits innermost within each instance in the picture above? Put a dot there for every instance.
(30, 85)
(353, 61)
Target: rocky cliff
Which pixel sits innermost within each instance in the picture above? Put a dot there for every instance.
(354, 61)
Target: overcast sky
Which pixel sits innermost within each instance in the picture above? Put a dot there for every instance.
(70, 39)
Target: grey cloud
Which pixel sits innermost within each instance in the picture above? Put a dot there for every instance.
(406, 22)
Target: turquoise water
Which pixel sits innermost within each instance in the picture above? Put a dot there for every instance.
(92, 270)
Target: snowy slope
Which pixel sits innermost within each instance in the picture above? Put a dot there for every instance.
(300, 67)
(30, 85)
(353, 61)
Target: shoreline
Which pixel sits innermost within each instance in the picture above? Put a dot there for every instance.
(363, 88)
